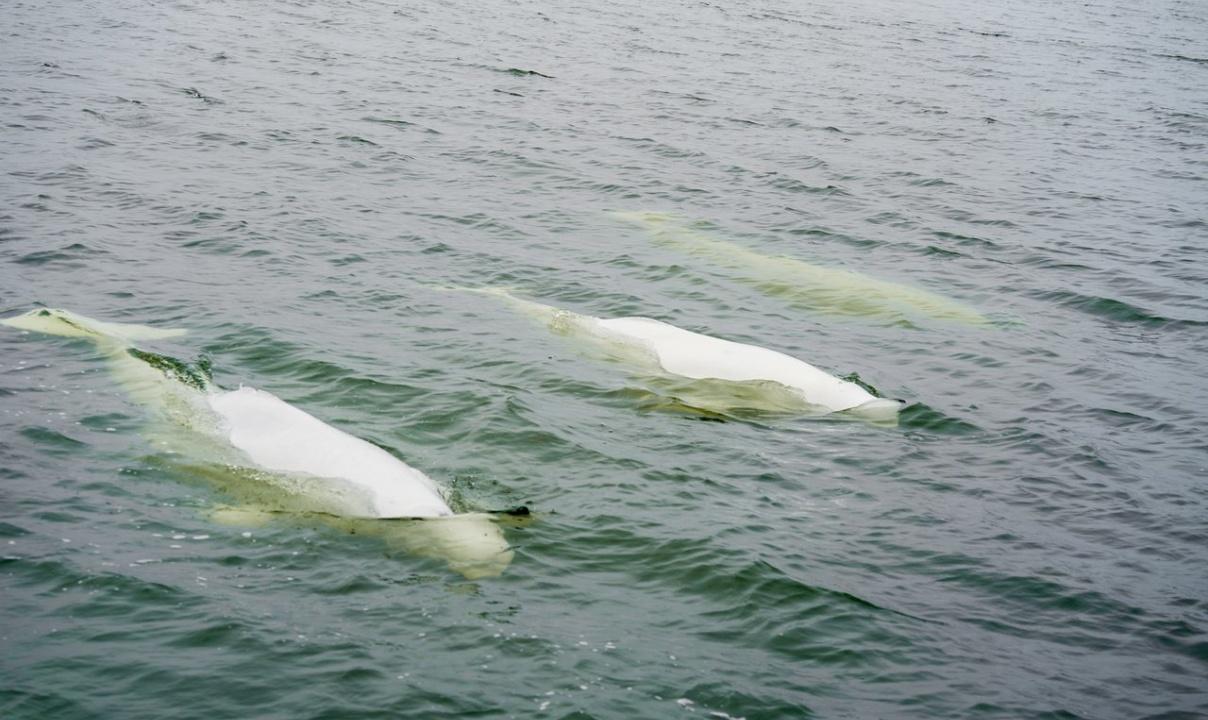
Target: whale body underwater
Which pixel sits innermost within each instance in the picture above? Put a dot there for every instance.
(311, 467)
(806, 285)
(722, 375)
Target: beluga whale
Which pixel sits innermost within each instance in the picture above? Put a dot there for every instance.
(711, 374)
(806, 285)
(283, 458)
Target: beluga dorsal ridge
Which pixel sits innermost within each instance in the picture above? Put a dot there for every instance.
(311, 467)
(725, 375)
(806, 285)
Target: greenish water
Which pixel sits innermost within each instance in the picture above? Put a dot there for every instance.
(294, 181)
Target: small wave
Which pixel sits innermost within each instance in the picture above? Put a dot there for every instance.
(72, 254)
(926, 418)
(1115, 310)
(199, 95)
(401, 124)
(934, 251)
(20, 703)
(793, 185)
(521, 72)
(52, 441)
(1184, 58)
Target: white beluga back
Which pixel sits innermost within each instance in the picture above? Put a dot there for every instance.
(803, 284)
(724, 375)
(302, 463)
(278, 436)
(703, 357)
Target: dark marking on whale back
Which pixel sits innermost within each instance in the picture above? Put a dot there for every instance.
(206, 367)
(855, 378)
(196, 376)
(66, 321)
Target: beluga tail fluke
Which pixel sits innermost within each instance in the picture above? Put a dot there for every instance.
(803, 284)
(293, 462)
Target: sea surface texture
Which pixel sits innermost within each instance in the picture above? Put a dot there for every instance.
(305, 186)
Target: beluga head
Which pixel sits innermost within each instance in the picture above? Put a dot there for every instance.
(472, 544)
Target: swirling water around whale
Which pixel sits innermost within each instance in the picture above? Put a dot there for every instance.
(291, 181)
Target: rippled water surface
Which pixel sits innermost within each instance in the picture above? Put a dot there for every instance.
(298, 183)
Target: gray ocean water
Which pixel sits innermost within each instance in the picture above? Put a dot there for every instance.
(295, 181)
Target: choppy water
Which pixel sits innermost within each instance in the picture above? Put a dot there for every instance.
(291, 181)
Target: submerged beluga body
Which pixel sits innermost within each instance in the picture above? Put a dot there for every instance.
(807, 285)
(301, 464)
(710, 373)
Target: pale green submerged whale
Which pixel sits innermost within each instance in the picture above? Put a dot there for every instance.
(286, 460)
(804, 284)
(711, 374)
